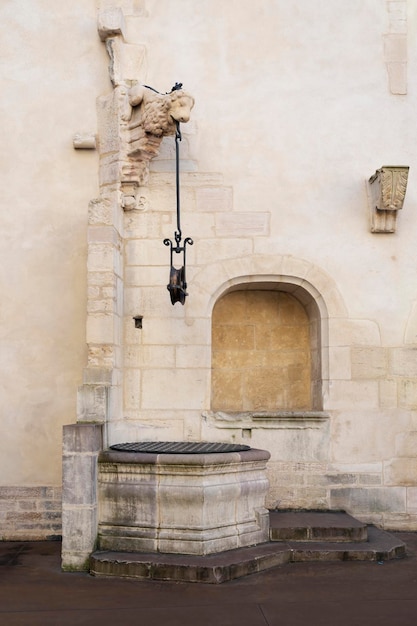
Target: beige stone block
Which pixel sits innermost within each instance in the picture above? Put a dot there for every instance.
(162, 331)
(79, 535)
(293, 497)
(227, 390)
(101, 329)
(102, 279)
(399, 522)
(92, 403)
(150, 356)
(357, 468)
(280, 337)
(254, 266)
(101, 306)
(191, 356)
(127, 60)
(199, 225)
(388, 394)
(103, 258)
(407, 393)
(162, 198)
(101, 356)
(110, 23)
(132, 389)
(370, 479)
(150, 252)
(216, 199)
(365, 437)
(211, 249)
(151, 426)
(188, 179)
(145, 223)
(412, 500)
(362, 500)
(100, 211)
(401, 471)
(242, 224)
(107, 117)
(411, 328)
(109, 171)
(234, 337)
(340, 363)
(210, 281)
(404, 362)
(360, 394)
(406, 444)
(103, 234)
(259, 306)
(369, 362)
(346, 332)
(168, 165)
(172, 388)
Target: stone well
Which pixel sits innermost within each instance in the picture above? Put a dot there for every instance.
(182, 503)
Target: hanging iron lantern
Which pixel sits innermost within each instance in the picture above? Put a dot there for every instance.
(177, 285)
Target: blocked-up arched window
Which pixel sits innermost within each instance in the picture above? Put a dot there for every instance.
(264, 352)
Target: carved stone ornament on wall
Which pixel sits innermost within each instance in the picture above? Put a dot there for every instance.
(387, 189)
(136, 117)
(150, 116)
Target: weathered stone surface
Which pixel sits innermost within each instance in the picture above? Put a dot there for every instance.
(82, 443)
(183, 504)
(401, 471)
(372, 500)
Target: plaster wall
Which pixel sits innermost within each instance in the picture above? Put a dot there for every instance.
(52, 68)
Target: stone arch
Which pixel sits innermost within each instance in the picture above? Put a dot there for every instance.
(308, 283)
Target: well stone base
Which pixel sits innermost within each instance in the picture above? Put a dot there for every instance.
(183, 504)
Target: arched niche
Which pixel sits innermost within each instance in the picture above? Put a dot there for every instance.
(266, 349)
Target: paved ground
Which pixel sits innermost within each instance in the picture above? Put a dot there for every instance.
(34, 591)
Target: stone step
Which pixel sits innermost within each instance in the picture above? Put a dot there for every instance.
(225, 566)
(380, 546)
(211, 568)
(334, 526)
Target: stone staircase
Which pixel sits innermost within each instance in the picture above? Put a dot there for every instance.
(295, 536)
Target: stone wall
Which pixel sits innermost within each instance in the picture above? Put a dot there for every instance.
(296, 108)
(30, 513)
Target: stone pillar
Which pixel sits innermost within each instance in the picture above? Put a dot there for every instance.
(82, 443)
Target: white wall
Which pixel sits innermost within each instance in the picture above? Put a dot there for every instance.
(52, 68)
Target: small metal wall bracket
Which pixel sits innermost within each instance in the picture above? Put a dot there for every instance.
(387, 189)
(138, 321)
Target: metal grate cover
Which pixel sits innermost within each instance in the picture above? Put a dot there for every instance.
(178, 447)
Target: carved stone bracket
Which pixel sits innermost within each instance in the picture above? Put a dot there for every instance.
(150, 116)
(387, 189)
(141, 115)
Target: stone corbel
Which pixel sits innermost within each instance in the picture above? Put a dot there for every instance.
(152, 116)
(387, 189)
(142, 116)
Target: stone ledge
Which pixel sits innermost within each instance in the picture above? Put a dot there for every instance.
(267, 419)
